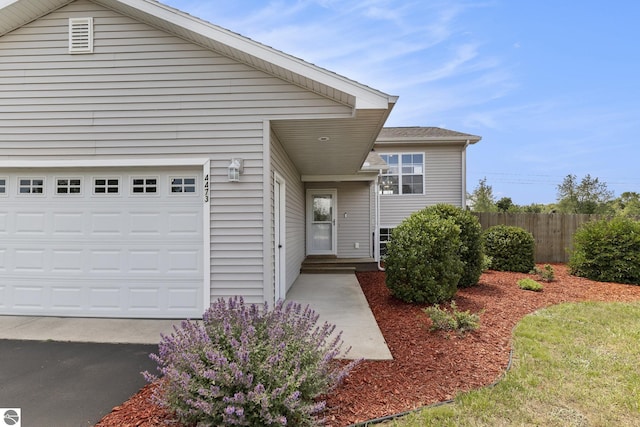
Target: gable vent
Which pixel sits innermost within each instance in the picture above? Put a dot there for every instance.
(80, 35)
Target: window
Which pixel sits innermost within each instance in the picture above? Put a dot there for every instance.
(405, 174)
(31, 185)
(3, 186)
(183, 185)
(106, 186)
(144, 185)
(68, 186)
(385, 236)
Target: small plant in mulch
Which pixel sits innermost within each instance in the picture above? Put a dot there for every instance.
(454, 320)
(528, 284)
(249, 365)
(545, 273)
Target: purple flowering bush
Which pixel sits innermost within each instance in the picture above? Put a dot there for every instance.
(246, 365)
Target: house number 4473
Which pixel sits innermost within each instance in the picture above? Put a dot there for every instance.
(206, 188)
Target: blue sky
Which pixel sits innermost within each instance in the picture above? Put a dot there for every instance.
(553, 87)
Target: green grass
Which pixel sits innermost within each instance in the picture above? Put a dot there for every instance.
(573, 365)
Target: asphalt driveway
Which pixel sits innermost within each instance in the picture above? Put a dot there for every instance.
(67, 384)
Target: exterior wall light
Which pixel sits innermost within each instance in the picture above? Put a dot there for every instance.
(235, 169)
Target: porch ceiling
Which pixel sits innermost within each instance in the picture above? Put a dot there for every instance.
(349, 142)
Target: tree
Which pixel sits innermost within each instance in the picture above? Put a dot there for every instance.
(588, 196)
(505, 204)
(627, 205)
(482, 199)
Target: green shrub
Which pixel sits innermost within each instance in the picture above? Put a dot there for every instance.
(422, 263)
(607, 251)
(246, 365)
(486, 262)
(545, 273)
(455, 320)
(510, 248)
(470, 250)
(530, 285)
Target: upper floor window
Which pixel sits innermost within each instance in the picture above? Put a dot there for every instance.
(405, 174)
(3, 186)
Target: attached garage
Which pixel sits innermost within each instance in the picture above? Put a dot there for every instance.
(103, 241)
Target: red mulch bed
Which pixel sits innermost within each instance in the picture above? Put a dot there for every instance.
(428, 367)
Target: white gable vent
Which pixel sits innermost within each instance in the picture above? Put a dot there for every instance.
(80, 35)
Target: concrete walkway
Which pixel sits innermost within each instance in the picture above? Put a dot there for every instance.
(339, 300)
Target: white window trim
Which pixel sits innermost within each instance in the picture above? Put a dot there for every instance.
(68, 178)
(400, 174)
(106, 193)
(30, 194)
(182, 193)
(6, 186)
(144, 193)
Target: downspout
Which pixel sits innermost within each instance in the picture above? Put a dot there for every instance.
(377, 230)
(464, 175)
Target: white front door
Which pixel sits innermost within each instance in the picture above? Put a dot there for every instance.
(321, 222)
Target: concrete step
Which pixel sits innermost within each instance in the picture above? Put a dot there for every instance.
(326, 269)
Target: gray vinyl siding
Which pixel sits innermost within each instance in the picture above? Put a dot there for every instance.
(442, 182)
(295, 206)
(354, 199)
(147, 94)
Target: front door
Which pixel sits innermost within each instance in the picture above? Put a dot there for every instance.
(321, 222)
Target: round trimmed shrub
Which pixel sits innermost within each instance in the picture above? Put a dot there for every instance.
(470, 251)
(422, 263)
(510, 248)
(607, 251)
(246, 365)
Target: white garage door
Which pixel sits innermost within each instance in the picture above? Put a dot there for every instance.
(101, 242)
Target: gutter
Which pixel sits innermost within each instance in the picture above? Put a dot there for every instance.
(377, 230)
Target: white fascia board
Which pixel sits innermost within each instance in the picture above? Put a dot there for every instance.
(363, 176)
(95, 163)
(427, 140)
(366, 97)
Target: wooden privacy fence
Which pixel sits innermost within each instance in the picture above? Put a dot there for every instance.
(553, 233)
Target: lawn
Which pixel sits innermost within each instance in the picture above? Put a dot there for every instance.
(574, 364)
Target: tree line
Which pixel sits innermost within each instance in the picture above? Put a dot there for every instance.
(588, 195)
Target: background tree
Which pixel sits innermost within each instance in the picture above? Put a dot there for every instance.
(588, 196)
(482, 199)
(627, 205)
(506, 204)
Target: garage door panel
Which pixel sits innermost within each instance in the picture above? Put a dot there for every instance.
(29, 260)
(30, 223)
(67, 297)
(86, 255)
(68, 223)
(145, 224)
(66, 261)
(3, 222)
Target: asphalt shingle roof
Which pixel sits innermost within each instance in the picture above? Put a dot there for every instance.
(420, 131)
